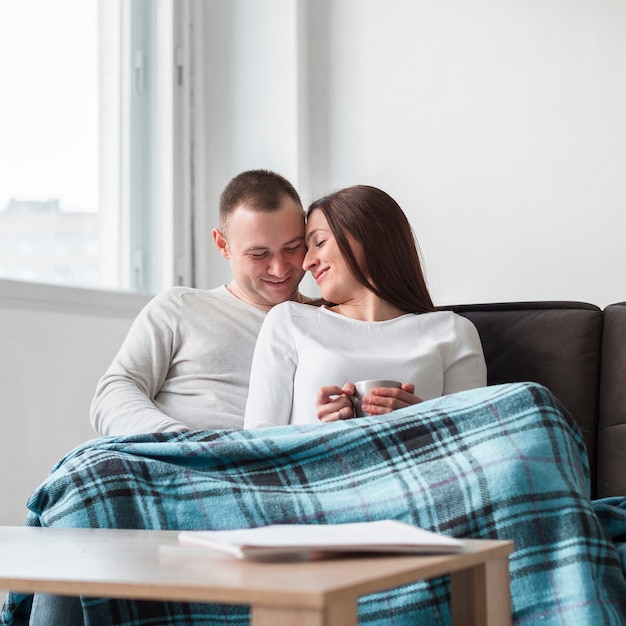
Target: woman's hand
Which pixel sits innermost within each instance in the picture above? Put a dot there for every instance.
(383, 400)
(333, 403)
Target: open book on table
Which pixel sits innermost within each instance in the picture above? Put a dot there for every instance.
(294, 539)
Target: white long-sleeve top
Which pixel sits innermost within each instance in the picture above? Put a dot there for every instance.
(302, 348)
(184, 364)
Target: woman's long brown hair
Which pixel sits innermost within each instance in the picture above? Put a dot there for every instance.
(391, 265)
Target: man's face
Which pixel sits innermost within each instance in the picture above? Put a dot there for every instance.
(266, 251)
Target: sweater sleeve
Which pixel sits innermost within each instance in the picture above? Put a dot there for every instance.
(465, 366)
(123, 401)
(272, 374)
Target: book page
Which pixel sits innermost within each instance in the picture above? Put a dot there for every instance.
(383, 535)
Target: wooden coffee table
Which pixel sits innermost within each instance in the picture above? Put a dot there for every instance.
(151, 565)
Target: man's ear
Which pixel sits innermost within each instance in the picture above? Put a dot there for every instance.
(221, 243)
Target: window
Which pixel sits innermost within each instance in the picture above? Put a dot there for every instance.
(26, 273)
(83, 118)
(91, 247)
(27, 245)
(61, 274)
(61, 246)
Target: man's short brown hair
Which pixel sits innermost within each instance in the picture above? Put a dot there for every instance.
(259, 190)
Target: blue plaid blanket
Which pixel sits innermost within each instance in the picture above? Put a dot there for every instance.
(503, 462)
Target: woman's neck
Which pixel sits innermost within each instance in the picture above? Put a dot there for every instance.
(372, 310)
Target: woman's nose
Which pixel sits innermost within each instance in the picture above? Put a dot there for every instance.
(309, 260)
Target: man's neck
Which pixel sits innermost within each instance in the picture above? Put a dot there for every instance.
(297, 297)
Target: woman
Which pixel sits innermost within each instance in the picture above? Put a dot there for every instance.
(381, 323)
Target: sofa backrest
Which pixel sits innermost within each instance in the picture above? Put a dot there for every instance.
(556, 344)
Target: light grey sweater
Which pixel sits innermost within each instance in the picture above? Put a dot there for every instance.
(185, 363)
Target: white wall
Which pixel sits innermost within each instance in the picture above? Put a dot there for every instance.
(498, 126)
(55, 343)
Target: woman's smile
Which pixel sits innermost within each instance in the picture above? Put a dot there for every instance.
(319, 274)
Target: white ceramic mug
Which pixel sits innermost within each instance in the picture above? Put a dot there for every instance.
(363, 388)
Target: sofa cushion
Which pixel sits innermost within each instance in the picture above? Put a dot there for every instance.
(556, 344)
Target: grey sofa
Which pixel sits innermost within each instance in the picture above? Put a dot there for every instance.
(576, 350)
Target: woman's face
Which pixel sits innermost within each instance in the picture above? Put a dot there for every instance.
(326, 263)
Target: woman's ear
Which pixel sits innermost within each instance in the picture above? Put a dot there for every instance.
(221, 243)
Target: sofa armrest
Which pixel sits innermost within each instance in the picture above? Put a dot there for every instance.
(612, 415)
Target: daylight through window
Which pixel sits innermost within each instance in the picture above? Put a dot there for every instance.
(77, 75)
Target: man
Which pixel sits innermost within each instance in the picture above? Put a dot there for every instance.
(186, 359)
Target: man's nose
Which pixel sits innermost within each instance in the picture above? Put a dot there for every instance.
(279, 265)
